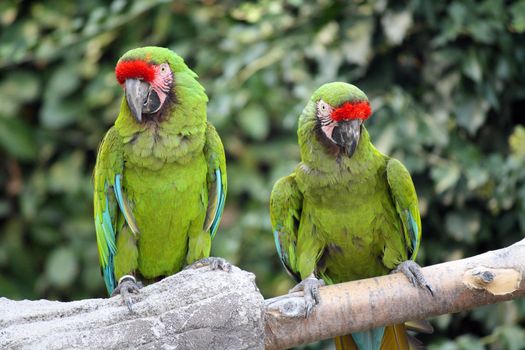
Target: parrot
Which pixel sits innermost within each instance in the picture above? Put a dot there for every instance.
(347, 211)
(160, 175)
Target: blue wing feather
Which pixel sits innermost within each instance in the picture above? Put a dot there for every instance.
(278, 245)
(413, 231)
(118, 192)
(109, 239)
(109, 275)
(284, 257)
(124, 205)
(220, 207)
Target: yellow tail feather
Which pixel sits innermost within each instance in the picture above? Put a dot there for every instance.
(395, 338)
(345, 342)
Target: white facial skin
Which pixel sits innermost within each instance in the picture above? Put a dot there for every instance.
(162, 82)
(324, 112)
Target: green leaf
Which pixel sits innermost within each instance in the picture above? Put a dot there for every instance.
(512, 337)
(472, 66)
(63, 82)
(65, 175)
(445, 176)
(517, 141)
(463, 226)
(396, 25)
(518, 16)
(254, 121)
(17, 138)
(469, 342)
(57, 114)
(20, 85)
(357, 47)
(61, 267)
(471, 113)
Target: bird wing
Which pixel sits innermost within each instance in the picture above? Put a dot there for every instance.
(405, 198)
(111, 208)
(216, 179)
(285, 213)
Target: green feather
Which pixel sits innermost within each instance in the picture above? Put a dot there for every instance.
(344, 218)
(159, 177)
(405, 200)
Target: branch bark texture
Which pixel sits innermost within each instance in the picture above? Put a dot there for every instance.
(355, 306)
(194, 309)
(203, 309)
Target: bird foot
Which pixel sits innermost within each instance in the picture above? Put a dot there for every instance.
(413, 272)
(213, 262)
(310, 287)
(127, 285)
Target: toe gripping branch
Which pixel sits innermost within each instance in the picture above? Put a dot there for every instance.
(127, 285)
(310, 287)
(413, 272)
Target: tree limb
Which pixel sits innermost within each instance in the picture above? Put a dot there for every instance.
(355, 306)
(203, 309)
(194, 309)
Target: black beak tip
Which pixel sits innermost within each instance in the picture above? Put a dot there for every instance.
(350, 149)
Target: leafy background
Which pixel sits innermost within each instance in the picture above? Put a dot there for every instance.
(446, 80)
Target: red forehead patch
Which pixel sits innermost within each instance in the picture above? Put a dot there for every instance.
(134, 69)
(355, 110)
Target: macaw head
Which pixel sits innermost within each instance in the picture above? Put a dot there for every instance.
(148, 76)
(340, 110)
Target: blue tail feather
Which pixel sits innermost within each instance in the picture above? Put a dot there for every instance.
(369, 340)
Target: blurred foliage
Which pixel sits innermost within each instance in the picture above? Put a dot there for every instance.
(446, 80)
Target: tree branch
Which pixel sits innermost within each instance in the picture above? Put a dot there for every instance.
(194, 309)
(203, 309)
(355, 306)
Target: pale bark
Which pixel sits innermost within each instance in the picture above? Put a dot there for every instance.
(355, 306)
(194, 309)
(202, 309)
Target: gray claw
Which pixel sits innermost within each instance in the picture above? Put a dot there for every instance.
(413, 272)
(126, 287)
(310, 287)
(214, 263)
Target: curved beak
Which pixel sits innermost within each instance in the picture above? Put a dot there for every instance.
(137, 92)
(346, 134)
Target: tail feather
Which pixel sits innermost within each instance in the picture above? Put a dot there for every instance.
(369, 340)
(388, 338)
(345, 342)
(421, 326)
(395, 338)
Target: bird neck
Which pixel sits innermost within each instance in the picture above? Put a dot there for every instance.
(175, 139)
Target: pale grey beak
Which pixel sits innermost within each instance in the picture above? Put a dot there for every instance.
(137, 92)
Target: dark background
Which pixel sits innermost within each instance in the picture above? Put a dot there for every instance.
(446, 81)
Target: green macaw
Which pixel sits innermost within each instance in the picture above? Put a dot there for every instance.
(160, 174)
(347, 212)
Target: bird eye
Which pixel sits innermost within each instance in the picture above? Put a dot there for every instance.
(163, 68)
(323, 106)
